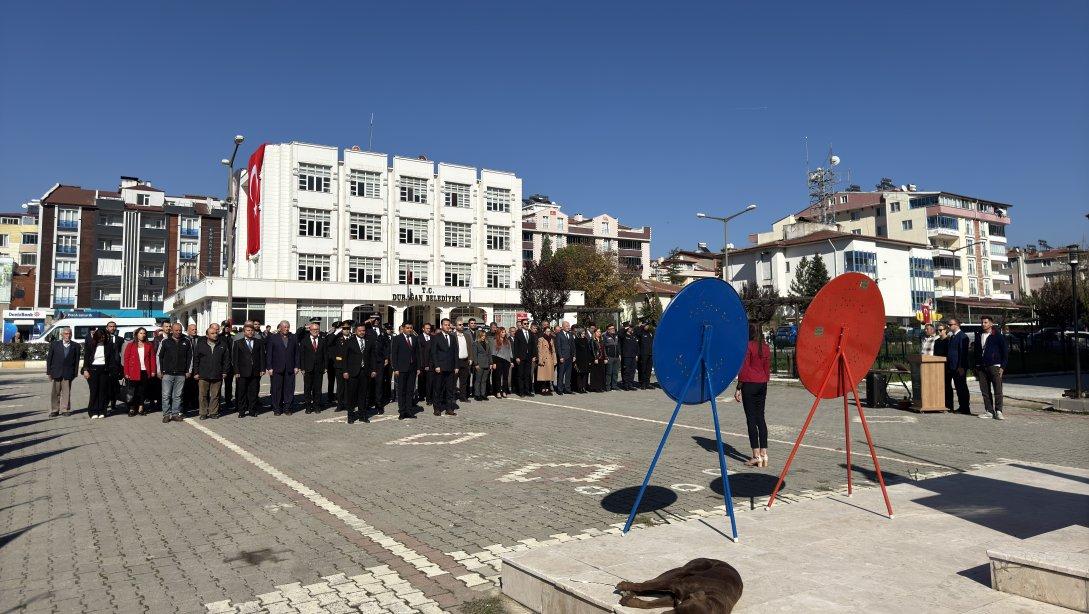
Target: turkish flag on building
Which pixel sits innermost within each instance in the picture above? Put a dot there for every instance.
(253, 196)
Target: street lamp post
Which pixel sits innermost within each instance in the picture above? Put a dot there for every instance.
(1077, 349)
(229, 234)
(725, 236)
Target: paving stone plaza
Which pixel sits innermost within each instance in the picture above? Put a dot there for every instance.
(306, 513)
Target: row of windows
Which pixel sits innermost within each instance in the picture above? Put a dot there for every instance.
(411, 231)
(942, 221)
(861, 262)
(368, 184)
(29, 238)
(921, 267)
(313, 267)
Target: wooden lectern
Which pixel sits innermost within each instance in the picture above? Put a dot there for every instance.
(927, 382)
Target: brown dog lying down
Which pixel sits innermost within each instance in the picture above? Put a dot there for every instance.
(702, 586)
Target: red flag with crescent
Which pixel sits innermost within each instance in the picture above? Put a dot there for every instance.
(253, 196)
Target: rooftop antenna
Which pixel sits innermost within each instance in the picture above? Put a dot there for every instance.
(370, 138)
(822, 183)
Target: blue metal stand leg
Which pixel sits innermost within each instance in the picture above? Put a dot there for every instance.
(669, 427)
(727, 495)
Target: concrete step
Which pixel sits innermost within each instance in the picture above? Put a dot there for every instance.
(1052, 568)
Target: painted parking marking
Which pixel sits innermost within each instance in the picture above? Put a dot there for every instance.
(344, 419)
(522, 475)
(886, 419)
(444, 439)
(686, 487)
(709, 430)
(426, 566)
(591, 490)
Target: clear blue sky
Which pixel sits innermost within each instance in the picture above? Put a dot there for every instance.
(651, 112)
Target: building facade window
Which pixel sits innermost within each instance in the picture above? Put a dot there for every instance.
(527, 255)
(314, 177)
(860, 262)
(894, 207)
(245, 310)
(103, 294)
(456, 195)
(313, 267)
(187, 273)
(30, 238)
(109, 266)
(151, 270)
(947, 222)
(28, 259)
(365, 270)
(314, 223)
(906, 224)
(971, 266)
(64, 295)
(973, 288)
(413, 231)
(151, 296)
(3, 240)
(188, 250)
(326, 312)
(413, 190)
(922, 267)
(367, 184)
(154, 223)
(66, 244)
(498, 238)
(412, 272)
(365, 227)
(605, 228)
(498, 276)
(629, 244)
(189, 226)
(143, 200)
(109, 219)
(854, 216)
(67, 219)
(457, 274)
(631, 263)
(456, 234)
(9, 220)
(109, 245)
(152, 247)
(497, 199)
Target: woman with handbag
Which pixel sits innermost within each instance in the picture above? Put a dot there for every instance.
(139, 367)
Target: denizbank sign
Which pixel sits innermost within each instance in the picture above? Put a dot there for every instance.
(428, 295)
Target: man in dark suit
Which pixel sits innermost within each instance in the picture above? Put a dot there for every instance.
(359, 372)
(629, 355)
(283, 364)
(465, 363)
(646, 353)
(444, 357)
(426, 383)
(248, 360)
(118, 374)
(524, 348)
(956, 368)
(312, 362)
(335, 334)
(565, 357)
(61, 364)
(335, 351)
(990, 354)
(385, 375)
(404, 360)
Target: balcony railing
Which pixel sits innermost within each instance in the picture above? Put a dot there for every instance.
(67, 225)
(189, 255)
(189, 232)
(946, 273)
(64, 275)
(943, 232)
(66, 249)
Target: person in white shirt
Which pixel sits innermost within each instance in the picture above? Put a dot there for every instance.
(929, 339)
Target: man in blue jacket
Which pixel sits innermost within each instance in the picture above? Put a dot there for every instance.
(956, 368)
(991, 354)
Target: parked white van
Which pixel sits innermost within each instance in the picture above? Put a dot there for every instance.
(81, 327)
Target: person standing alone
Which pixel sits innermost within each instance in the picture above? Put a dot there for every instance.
(991, 352)
(61, 364)
(752, 392)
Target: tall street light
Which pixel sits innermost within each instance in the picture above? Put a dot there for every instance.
(725, 236)
(231, 191)
(1077, 349)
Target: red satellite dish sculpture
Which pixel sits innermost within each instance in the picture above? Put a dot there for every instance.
(840, 336)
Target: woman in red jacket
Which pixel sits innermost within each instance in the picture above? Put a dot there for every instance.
(752, 391)
(139, 366)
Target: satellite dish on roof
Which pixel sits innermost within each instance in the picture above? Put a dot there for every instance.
(833, 160)
(903, 188)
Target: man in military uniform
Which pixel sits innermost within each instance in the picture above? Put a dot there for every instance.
(646, 354)
(629, 355)
(337, 353)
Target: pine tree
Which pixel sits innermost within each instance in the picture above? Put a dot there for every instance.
(818, 276)
(799, 286)
(546, 250)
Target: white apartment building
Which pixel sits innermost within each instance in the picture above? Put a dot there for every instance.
(901, 268)
(344, 235)
(543, 218)
(966, 236)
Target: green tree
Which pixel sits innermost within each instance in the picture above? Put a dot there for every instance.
(673, 269)
(818, 275)
(546, 249)
(1054, 302)
(798, 285)
(597, 274)
(544, 290)
(650, 309)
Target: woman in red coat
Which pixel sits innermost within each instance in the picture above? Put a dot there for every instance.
(139, 366)
(752, 391)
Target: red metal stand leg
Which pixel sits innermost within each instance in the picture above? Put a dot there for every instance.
(869, 439)
(846, 418)
(801, 435)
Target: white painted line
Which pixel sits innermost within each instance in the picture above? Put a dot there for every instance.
(599, 472)
(452, 438)
(591, 490)
(357, 524)
(886, 419)
(686, 487)
(709, 430)
(344, 419)
(11, 405)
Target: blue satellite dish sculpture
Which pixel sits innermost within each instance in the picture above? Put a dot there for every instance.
(702, 337)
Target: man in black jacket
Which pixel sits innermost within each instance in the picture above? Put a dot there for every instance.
(337, 332)
(404, 362)
(360, 371)
(646, 354)
(312, 362)
(118, 375)
(957, 363)
(336, 346)
(524, 348)
(426, 383)
(61, 364)
(210, 361)
(629, 354)
(248, 360)
(175, 364)
(444, 357)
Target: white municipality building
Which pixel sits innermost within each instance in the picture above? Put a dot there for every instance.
(414, 241)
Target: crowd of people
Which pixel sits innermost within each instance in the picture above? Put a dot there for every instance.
(986, 356)
(363, 366)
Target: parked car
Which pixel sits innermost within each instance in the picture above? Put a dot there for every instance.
(786, 336)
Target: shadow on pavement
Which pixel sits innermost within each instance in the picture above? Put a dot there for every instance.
(10, 536)
(621, 501)
(1058, 474)
(979, 573)
(1017, 510)
(11, 464)
(712, 446)
(871, 475)
(8, 448)
(748, 485)
(23, 606)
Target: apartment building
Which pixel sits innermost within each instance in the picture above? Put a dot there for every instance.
(121, 251)
(542, 218)
(687, 265)
(966, 236)
(19, 235)
(1030, 268)
(344, 233)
